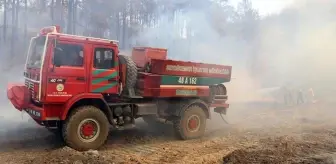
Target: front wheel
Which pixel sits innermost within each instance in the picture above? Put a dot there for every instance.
(191, 124)
(86, 128)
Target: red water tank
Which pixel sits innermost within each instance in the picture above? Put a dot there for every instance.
(142, 55)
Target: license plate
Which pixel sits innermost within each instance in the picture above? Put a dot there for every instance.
(33, 113)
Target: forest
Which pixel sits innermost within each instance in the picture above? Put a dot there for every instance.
(270, 48)
(132, 22)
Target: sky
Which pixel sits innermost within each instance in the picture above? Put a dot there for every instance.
(266, 7)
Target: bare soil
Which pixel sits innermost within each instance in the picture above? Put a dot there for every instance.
(258, 133)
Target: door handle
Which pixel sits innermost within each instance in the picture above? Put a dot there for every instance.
(112, 79)
(80, 78)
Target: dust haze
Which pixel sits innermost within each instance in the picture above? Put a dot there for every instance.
(294, 47)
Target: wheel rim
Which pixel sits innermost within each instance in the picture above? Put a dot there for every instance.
(88, 130)
(193, 123)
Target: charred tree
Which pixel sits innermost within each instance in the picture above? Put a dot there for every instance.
(25, 20)
(52, 13)
(70, 17)
(13, 28)
(124, 29)
(5, 21)
(74, 16)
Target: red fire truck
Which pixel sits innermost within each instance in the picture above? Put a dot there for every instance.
(80, 86)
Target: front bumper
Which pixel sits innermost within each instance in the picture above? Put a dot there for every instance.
(35, 112)
(19, 95)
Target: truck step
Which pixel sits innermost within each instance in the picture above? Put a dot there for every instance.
(136, 97)
(221, 97)
(117, 104)
(133, 97)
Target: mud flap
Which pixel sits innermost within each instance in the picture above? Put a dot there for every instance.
(221, 106)
(220, 110)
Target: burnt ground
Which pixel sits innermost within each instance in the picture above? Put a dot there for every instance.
(258, 133)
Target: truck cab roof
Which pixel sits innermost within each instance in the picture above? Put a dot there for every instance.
(55, 31)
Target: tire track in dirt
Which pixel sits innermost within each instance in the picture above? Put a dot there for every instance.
(144, 145)
(158, 149)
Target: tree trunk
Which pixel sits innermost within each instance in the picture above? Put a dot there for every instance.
(17, 9)
(118, 25)
(124, 30)
(43, 4)
(51, 11)
(13, 28)
(131, 24)
(25, 23)
(69, 26)
(5, 21)
(74, 16)
(59, 11)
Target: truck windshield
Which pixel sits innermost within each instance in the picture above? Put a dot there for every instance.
(35, 53)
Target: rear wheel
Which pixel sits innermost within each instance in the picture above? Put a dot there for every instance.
(86, 128)
(191, 124)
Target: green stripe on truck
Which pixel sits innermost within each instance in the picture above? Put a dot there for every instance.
(105, 78)
(106, 87)
(98, 71)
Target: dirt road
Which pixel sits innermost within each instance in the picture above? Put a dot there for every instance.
(257, 134)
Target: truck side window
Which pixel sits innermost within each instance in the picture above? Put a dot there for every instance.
(69, 55)
(103, 58)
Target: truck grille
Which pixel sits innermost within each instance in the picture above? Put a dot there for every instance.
(30, 86)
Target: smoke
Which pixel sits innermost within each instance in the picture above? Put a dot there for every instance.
(194, 36)
(298, 45)
(191, 36)
(294, 47)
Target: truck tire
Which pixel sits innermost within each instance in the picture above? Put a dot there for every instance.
(221, 89)
(191, 123)
(86, 128)
(131, 72)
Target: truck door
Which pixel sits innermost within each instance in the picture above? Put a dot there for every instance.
(104, 74)
(66, 74)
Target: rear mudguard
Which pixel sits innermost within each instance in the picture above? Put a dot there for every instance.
(19, 96)
(181, 106)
